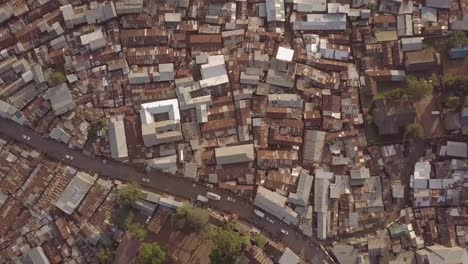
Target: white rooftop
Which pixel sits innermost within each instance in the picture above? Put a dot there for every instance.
(285, 54)
(148, 110)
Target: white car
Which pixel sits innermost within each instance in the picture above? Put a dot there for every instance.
(270, 220)
(69, 157)
(145, 179)
(231, 199)
(284, 232)
(26, 137)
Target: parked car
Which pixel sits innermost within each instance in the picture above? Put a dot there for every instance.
(259, 213)
(26, 137)
(213, 196)
(284, 232)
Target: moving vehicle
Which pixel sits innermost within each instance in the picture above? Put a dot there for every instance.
(213, 196)
(145, 179)
(70, 157)
(270, 220)
(284, 232)
(26, 137)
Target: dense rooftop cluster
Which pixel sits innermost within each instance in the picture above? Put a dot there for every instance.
(312, 109)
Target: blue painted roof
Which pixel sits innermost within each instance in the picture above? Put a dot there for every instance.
(464, 117)
(459, 53)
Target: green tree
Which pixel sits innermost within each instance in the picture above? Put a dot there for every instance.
(417, 89)
(137, 230)
(151, 254)
(415, 131)
(105, 256)
(229, 245)
(394, 95)
(128, 195)
(190, 219)
(457, 39)
(456, 84)
(260, 240)
(453, 102)
(94, 128)
(56, 78)
(123, 217)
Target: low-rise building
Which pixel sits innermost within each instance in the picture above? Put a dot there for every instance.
(275, 204)
(75, 192)
(117, 138)
(160, 122)
(60, 98)
(235, 154)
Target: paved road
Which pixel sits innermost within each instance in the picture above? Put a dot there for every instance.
(163, 182)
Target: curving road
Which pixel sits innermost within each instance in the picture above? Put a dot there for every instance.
(164, 182)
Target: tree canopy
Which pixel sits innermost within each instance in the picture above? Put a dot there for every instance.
(417, 89)
(190, 219)
(415, 131)
(229, 245)
(56, 78)
(128, 195)
(457, 39)
(122, 217)
(394, 95)
(453, 102)
(260, 240)
(105, 256)
(152, 254)
(137, 230)
(456, 84)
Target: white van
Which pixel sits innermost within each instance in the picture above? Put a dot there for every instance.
(258, 213)
(202, 198)
(213, 196)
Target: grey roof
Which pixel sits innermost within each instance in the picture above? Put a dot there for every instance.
(289, 257)
(321, 195)
(361, 173)
(168, 163)
(235, 154)
(34, 256)
(60, 98)
(313, 146)
(345, 254)
(213, 71)
(274, 203)
(441, 254)
(3, 198)
(275, 10)
(7, 110)
(457, 149)
(75, 192)
(322, 22)
(322, 218)
(392, 117)
(304, 186)
(310, 5)
(59, 134)
(117, 138)
(445, 4)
